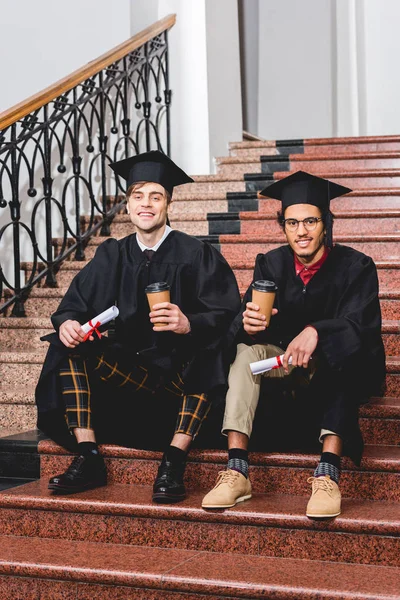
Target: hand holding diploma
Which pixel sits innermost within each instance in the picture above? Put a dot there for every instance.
(297, 354)
(72, 333)
(262, 366)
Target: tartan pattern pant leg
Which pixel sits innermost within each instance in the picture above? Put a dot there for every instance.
(192, 412)
(111, 371)
(76, 392)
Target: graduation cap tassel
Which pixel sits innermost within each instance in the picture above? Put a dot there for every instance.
(328, 230)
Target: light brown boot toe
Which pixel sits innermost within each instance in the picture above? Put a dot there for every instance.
(231, 487)
(325, 498)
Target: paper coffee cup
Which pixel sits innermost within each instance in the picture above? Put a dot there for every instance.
(156, 293)
(263, 294)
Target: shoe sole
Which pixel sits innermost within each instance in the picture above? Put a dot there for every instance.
(241, 499)
(64, 490)
(163, 499)
(323, 516)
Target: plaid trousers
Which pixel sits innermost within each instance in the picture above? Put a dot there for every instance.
(76, 391)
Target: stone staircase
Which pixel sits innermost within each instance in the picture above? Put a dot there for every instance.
(114, 542)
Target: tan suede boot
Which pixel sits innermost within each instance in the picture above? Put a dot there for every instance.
(231, 487)
(325, 498)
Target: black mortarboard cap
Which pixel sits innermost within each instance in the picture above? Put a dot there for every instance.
(151, 166)
(303, 188)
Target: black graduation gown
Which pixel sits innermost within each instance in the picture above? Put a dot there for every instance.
(202, 285)
(341, 302)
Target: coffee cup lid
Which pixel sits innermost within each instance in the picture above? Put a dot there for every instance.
(262, 285)
(160, 286)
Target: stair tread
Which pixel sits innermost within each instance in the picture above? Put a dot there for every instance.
(359, 516)
(279, 238)
(298, 156)
(318, 141)
(194, 571)
(338, 214)
(375, 458)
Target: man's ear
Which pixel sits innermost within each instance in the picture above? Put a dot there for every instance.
(169, 207)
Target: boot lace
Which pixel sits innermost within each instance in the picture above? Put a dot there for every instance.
(228, 477)
(321, 483)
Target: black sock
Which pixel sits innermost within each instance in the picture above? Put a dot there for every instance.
(88, 448)
(175, 455)
(238, 460)
(329, 464)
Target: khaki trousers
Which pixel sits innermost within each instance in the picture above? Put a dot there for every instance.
(244, 387)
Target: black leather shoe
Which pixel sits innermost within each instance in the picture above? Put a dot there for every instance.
(169, 487)
(84, 473)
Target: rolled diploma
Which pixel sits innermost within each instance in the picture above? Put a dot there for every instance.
(262, 366)
(101, 319)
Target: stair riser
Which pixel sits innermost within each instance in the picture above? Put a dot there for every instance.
(18, 417)
(381, 431)
(247, 251)
(182, 208)
(341, 204)
(377, 226)
(16, 339)
(20, 373)
(354, 183)
(392, 388)
(120, 230)
(391, 342)
(310, 166)
(333, 149)
(389, 279)
(354, 484)
(25, 588)
(209, 187)
(209, 537)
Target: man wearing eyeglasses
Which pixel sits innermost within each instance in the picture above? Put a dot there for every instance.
(326, 321)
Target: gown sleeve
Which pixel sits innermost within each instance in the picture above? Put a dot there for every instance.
(93, 289)
(216, 299)
(357, 322)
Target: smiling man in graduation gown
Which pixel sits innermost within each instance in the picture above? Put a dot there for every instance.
(327, 320)
(171, 352)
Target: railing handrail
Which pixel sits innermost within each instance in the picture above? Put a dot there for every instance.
(36, 101)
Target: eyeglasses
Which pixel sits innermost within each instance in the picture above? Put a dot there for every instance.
(309, 223)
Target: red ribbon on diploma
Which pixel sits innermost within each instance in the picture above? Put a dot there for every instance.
(93, 330)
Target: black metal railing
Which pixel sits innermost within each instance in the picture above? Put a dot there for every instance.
(56, 189)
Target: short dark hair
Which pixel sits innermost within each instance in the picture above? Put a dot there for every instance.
(139, 184)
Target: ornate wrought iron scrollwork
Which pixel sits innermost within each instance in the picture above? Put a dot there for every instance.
(56, 189)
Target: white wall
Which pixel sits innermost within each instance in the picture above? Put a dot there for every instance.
(223, 74)
(249, 51)
(42, 41)
(295, 69)
(206, 112)
(382, 75)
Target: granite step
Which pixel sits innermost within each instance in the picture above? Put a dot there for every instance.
(378, 478)
(19, 458)
(377, 221)
(234, 247)
(88, 570)
(361, 200)
(192, 223)
(380, 425)
(369, 179)
(227, 166)
(25, 332)
(388, 271)
(268, 525)
(316, 146)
